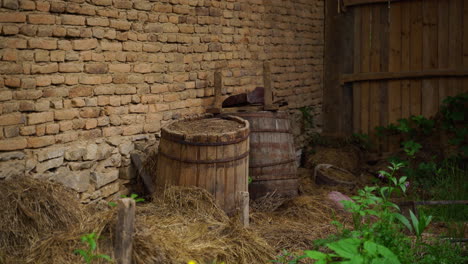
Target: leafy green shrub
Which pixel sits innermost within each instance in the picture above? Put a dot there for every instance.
(89, 254)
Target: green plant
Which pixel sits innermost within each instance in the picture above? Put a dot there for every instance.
(411, 147)
(454, 111)
(361, 140)
(89, 254)
(441, 252)
(355, 251)
(417, 224)
(133, 196)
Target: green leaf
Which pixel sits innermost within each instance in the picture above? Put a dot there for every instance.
(133, 196)
(315, 254)
(112, 204)
(415, 222)
(404, 221)
(346, 247)
(103, 256)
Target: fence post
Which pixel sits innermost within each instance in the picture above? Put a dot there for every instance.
(124, 231)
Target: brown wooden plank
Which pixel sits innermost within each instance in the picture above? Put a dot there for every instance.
(374, 116)
(443, 49)
(220, 177)
(465, 42)
(394, 86)
(405, 58)
(365, 65)
(430, 87)
(357, 69)
(416, 55)
(384, 61)
(124, 230)
(455, 43)
(404, 75)
(347, 3)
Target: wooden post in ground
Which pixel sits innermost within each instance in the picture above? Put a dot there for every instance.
(124, 231)
(244, 207)
(218, 93)
(268, 89)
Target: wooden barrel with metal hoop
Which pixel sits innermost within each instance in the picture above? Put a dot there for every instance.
(211, 153)
(272, 154)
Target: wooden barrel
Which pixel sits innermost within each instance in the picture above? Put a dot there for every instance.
(272, 154)
(211, 153)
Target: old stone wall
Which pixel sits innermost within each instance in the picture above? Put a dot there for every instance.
(83, 83)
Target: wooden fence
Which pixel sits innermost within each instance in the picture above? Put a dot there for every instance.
(407, 56)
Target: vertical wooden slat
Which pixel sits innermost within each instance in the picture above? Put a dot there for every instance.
(357, 69)
(374, 115)
(416, 55)
(455, 42)
(465, 43)
(443, 47)
(384, 61)
(394, 87)
(365, 66)
(405, 58)
(430, 92)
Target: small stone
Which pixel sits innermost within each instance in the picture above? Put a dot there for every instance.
(50, 164)
(126, 147)
(77, 166)
(74, 154)
(50, 153)
(15, 155)
(12, 168)
(91, 152)
(110, 189)
(76, 180)
(104, 151)
(104, 178)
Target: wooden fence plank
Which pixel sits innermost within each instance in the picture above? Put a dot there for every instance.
(416, 55)
(465, 43)
(365, 66)
(429, 87)
(394, 65)
(443, 49)
(357, 69)
(455, 42)
(374, 116)
(405, 58)
(384, 61)
(124, 231)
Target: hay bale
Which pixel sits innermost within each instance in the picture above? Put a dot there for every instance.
(32, 209)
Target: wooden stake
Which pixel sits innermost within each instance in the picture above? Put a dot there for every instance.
(218, 93)
(244, 203)
(124, 231)
(268, 92)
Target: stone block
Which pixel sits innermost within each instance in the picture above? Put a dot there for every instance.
(73, 20)
(12, 17)
(74, 153)
(104, 178)
(66, 114)
(41, 19)
(39, 142)
(50, 153)
(11, 119)
(13, 144)
(13, 168)
(80, 91)
(96, 68)
(39, 118)
(76, 180)
(84, 44)
(14, 155)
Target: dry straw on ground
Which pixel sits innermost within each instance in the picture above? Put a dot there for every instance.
(42, 222)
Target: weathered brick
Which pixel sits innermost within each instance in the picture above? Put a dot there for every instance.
(66, 114)
(6, 95)
(42, 56)
(39, 118)
(28, 94)
(90, 112)
(113, 46)
(27, 5)
(52, 129)
(132, 130)
(11, 119)
(57, 7)
(84, 44)
(91, 124)
(42, 6)
(10, 30)
(11, 4)
(120, 24)
(14, 17)
(97, 21)
(73, 20)
(70, 67)
(39, 142)
(57, 55)
(13, 144)
(80, 91)
(111, 131)
(96, 68)
(142, 68)
(10, 55)
(119, 67)
(43, 80)
(41, 19)
(89, 79)
(45, 68)
(12, 82)
(123, 4)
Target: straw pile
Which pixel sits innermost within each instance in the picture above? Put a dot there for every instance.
(42, 222)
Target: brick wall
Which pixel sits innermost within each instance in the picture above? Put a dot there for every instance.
(85, 82)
